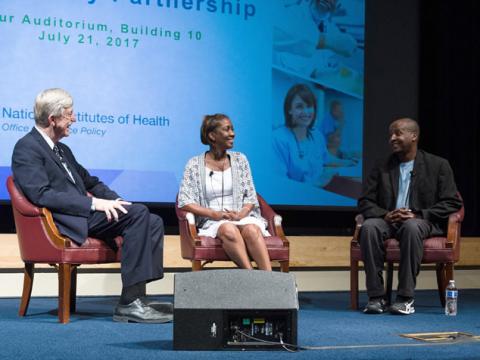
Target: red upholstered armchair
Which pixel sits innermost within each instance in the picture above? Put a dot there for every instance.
(40, 242)
(202, 250)
(442, 251)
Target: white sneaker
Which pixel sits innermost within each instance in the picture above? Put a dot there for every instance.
(403, 308)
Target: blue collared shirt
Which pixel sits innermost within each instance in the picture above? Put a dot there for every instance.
(404, 179)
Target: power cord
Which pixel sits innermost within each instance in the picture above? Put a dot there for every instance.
(288, 347)
(295, 348)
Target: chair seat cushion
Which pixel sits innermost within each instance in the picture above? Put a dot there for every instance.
(211, 249)
(94, 251)
(434, 251)
(207, 241)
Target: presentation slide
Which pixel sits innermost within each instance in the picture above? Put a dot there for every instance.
(143, 73)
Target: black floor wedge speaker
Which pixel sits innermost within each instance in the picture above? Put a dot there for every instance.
(234, 309)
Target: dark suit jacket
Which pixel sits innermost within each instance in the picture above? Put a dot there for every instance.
(433, 193)
(38, 172)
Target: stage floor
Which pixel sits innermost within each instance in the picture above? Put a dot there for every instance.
(325, 321)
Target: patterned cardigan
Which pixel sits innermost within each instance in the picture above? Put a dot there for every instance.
(193, 186)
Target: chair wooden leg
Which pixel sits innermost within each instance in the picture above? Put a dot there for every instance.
(389, 282)
(284, 266)
(73, 289)
(448, 276)
(353, 284)
(441, 282)
(27, 288)
(444, 275)
(448, 273)
(64, 287)
(196, 265)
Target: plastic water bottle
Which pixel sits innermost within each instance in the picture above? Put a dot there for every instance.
(451, 297)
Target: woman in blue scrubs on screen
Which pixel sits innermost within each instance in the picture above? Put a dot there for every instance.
(300, 148)
(217, 187)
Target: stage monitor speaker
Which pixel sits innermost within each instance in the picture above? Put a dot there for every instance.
(234, 309)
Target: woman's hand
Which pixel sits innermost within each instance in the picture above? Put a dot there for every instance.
(230, 214)
(239, 215)
(217, 215)
(233, 215)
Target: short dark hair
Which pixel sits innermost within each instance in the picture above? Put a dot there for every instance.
(307, 95)
(209, 124)
(411, 125)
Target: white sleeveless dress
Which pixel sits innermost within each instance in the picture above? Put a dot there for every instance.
(219, 196)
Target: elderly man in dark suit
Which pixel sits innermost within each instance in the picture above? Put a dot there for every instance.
(49, 176)
(409, 196)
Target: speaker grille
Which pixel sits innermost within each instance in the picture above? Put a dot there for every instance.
(235, 289)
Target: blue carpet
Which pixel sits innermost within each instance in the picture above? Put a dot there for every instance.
(324, 321)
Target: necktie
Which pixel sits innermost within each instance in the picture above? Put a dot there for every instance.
(59, 153)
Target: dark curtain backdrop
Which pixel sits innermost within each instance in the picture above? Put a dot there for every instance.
(450, 94)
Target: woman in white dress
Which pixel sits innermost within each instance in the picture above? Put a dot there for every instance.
(218, 188)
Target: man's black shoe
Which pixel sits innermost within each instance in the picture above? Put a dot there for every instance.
(165, 308)
(375, 306)
(138, 312)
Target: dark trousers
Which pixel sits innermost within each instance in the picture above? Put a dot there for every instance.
(410, 235)
(142, 249)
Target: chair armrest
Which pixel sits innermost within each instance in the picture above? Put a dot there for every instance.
(274, 220)
(278, 230)
(267, 212)
(453, 230)
(190, 217)
(58, 239)
(187, 226)
(181, 214)
(359, 219)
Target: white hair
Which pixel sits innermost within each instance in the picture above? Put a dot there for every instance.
(51, 102)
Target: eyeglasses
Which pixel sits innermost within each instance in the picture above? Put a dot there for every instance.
(68, 115)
